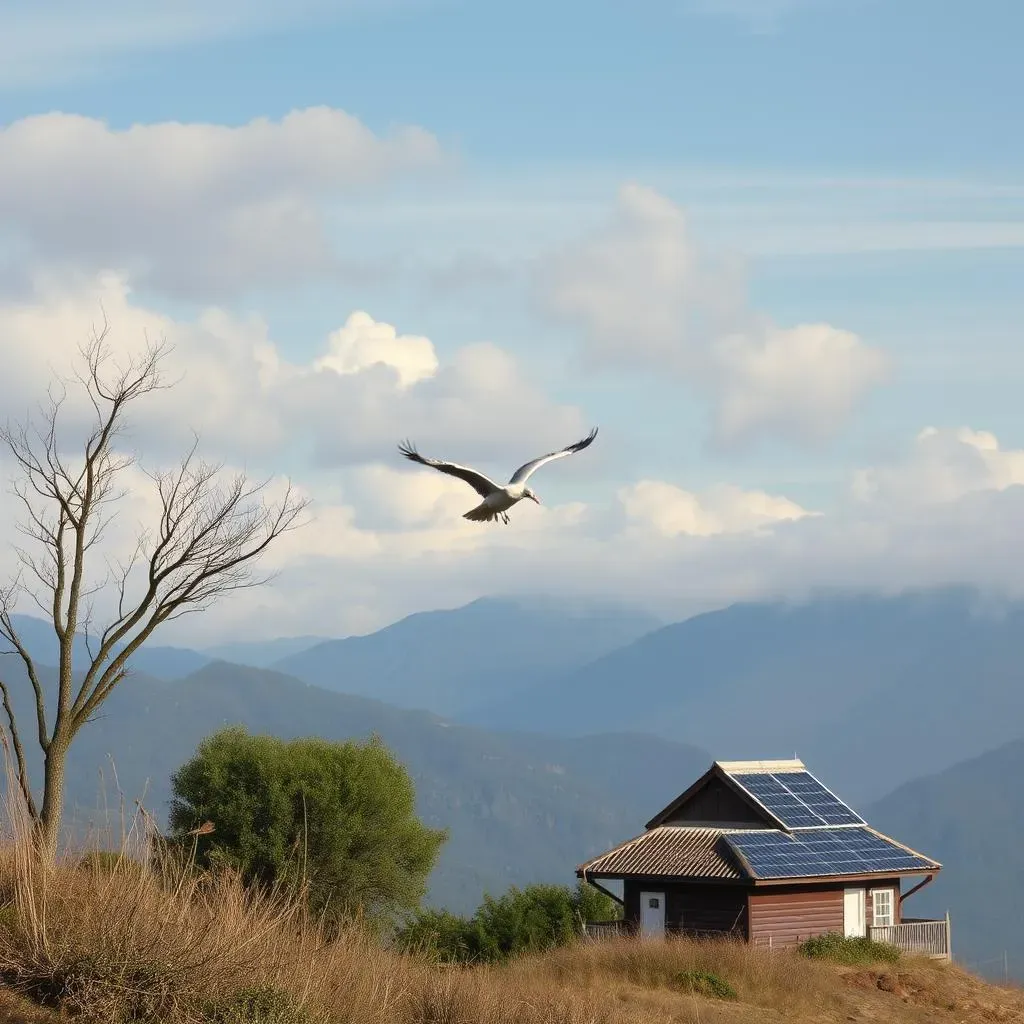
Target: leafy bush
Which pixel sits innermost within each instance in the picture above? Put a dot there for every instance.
(536, 918)
(851, 951)
(335, 819)
(705, 983)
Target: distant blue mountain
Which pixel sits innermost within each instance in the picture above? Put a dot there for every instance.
(971, 818)
(263, 653)
(162, 662)
(520, 808)
(923, 679)
(450, 661)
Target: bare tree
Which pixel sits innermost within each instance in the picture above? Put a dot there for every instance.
(208, 538)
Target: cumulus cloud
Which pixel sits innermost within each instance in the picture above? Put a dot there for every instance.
(387, 540)
(389, 543)
(942, 466)
(195, 210)
(672, 512)
(646, 296)
(368, 387)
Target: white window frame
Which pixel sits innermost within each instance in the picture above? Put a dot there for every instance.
(890, 912)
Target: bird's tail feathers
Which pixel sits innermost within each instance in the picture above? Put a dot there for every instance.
(480, 514)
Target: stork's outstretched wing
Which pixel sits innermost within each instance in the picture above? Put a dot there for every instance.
(481, 484)
(520, 475)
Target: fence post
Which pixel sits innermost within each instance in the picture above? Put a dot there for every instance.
(949, 939)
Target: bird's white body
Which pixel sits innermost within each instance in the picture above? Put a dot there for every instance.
(497, 498)
(497, 502)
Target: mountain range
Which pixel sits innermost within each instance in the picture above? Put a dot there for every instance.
(563, 731)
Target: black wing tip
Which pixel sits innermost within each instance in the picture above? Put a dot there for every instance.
(408, 449)
(580, 445)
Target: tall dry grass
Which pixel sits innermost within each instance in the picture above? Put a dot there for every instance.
(143, 936)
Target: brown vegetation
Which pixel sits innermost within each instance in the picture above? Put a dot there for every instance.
(134, 937)
(128, 941)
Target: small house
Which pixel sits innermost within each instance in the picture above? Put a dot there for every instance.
(761, 850)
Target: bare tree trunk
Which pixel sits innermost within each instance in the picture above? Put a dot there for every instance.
(207, 536)
(48, 823)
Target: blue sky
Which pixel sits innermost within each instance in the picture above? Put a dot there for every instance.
(855, 164)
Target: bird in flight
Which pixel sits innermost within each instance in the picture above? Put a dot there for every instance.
(498, 499)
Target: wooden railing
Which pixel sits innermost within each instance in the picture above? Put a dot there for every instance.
(605, 929)
(913, 935)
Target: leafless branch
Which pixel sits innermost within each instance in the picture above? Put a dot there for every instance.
(210, 534)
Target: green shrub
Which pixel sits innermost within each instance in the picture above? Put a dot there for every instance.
(440, 936)
(705, 983)
(257, 1006)
(336, 821)
(851, 951)
(526, 920)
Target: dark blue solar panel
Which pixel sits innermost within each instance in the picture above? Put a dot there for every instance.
(797, 799)
(826, 851)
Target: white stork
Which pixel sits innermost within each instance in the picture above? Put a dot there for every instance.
(498, 499)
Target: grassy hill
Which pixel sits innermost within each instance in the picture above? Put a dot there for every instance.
(133, 945)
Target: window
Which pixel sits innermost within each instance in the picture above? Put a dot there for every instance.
(881, 907)
(654, 903)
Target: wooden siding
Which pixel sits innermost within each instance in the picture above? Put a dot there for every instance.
(692, 908)
(787, 918)
(716, 803)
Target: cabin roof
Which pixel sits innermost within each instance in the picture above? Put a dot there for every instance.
(805, 832)
(782, 793)
(669, 850)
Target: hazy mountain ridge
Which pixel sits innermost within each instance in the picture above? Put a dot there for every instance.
(520, 808)
(815, 679)
(971, 818)
(449, 661)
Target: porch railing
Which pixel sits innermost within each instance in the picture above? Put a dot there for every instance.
(605, 929)
(916, 936)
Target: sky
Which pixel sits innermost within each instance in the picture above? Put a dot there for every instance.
(771, 248)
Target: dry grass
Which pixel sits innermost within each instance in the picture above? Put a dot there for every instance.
(137, 943)
(138, 940)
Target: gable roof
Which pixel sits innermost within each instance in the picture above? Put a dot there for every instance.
(799, 829)
(783, 794)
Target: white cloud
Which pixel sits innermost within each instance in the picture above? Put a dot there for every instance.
(363, 343)
(726, 508)
(942, 466)
(194, 210)
(389, 544)
(647, 297)
(803, 381)
(370, 387)
(388, 539)
(55, 40)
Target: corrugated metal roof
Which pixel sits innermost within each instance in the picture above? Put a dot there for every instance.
(670, 850)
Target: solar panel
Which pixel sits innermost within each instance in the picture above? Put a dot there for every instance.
(825, 851)
(797, 799)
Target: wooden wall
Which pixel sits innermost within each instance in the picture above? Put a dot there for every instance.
(792, 915)
(716, 803)
(787, 914)
(691, 907)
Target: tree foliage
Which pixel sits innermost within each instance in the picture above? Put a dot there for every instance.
(337, 817)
